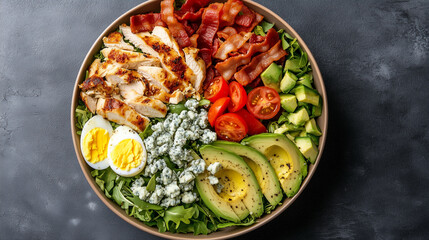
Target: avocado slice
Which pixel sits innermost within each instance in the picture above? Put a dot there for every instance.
(316, 111)
(288, 82)
(306, 95)
(307, 148)
(239, 183)
(260, 166)
(271, 76)
(288, 102)
(312, 128)
(288, 163)
(299, 118)
(306, 80)
(286, 127)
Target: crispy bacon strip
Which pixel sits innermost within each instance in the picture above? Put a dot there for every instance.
(228, 67)
(206, 55)
(256, 21)
(245, 19)
(194, 5)
(209, 25)
(176, 28)
(233, 43)
(229, 12)
(145, 22)
(226, 32)
(259, 63)
(191, 16)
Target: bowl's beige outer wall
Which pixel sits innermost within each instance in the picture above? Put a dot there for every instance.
(154, 6)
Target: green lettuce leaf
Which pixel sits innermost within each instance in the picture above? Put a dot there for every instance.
(179, 214)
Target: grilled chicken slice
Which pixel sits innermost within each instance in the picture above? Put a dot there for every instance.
(119, 112)
(176, 97)
(148, 106)
(171, 61)
(96, 86)
(115, 40)
(128, 59)
(156, 76)
(122, 76)
(157, 93)
(132, 90)
(197, 65)
(90, 102)
(168, 39)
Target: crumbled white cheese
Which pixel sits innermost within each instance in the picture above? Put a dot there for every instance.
(214, 167)
(213, 180)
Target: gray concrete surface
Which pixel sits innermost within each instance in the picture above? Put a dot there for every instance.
(372, 182)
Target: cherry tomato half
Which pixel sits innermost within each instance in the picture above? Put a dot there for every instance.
(238, 97)
(218, 88)
(253, 124)
(231, 127)
(217, 109)
(263, 102)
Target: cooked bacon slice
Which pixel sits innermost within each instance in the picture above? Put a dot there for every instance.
(206, 55)
(209, 25)
(175, 27)
(256, 21)
(233, 43)
(194, 5)
(229, 12)
(256, 38)
(226, 32)
(194, 40)
(145, 22)
(258, 64)
(228, 67)
(245, 19)
(187, 15)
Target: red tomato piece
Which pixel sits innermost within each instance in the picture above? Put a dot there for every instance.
(218, 88)
(263, 102)
(217, 109)
(231, 127)
(254, 125)
(238, 97)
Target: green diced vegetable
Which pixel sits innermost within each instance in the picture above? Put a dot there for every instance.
(306, 95)
(307, 148)
(288, 102)
(293, 65)
(299, 117)
(288, 82)
(312, 128)
(316, 111)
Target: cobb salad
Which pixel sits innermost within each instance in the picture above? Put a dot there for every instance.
(199, 117)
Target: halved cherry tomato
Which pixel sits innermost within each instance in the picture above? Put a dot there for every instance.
(263, 102)
(218, 88)
(253, 124)
(217, 109)
(238, 97)
(231, 127)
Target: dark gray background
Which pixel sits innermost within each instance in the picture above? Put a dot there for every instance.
(372, 182)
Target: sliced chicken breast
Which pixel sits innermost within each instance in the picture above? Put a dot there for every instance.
(128, 59)
(165, 35)
(119, 112)
(123, 76)
(115, 40)
(90, 102)
(132, 90)
(197, 65)
(96, 86)
(148, 106)
(156, 76)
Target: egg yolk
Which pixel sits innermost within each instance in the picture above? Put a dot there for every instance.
(127, 154)
(95, 145)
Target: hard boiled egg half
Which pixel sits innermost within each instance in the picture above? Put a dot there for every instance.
(94, 141)
(126, 152)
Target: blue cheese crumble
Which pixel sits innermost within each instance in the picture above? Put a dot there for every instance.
(170, 138)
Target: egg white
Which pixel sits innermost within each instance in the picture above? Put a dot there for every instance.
(96, 121)
(122, 133)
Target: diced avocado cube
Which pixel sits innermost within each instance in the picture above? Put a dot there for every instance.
(316, 111)
(288, 82)
(288, 102)
(306, 80)
(272, 76)
(303, 133)
(293, 65)
(307, 148)
(286, 128)
(292, 138)
(294, 134)
(299, 117)
(315, 139)
(306, 95)
(312, 128)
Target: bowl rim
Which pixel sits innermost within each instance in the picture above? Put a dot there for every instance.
(224, 233)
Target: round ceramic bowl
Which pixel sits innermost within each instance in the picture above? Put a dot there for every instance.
(154, 6)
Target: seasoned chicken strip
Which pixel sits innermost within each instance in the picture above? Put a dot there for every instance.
(96, 86)
(132, 90)
(117, 111)
(90, 102)
(123, 76)
(115, 40)
(165, 35)
(128, 59)
(197, 65)
(170, 59)
(148, 106)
